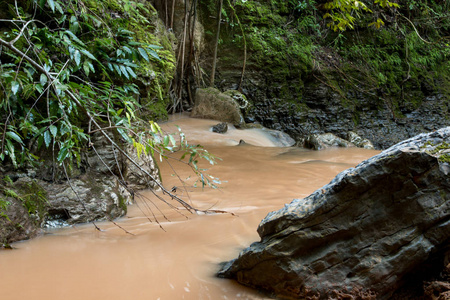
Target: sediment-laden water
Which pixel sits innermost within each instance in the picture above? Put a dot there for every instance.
(180, 260)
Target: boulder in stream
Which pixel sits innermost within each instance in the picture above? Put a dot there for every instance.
(360, 235)
(210, 103)
(325, 140)
(220, 128)
(358, 141)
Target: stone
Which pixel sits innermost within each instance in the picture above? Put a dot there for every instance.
(88, 198)
(360, 234)
(15, 222)
(324, 141)
(280, 138)
(107, 160)
(210, 103)
(220, 128)
(358, 141)
(133, 175)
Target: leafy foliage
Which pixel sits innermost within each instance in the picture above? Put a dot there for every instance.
(68, 66)
(344, 13)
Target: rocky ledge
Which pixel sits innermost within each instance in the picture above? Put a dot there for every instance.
(358, 236)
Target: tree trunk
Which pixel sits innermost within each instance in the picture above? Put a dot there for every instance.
(213, 72)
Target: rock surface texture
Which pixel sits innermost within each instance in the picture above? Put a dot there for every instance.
(33, 200)
(210, 103)
(361, 233)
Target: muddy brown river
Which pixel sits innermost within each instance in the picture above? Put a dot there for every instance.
(180, 260)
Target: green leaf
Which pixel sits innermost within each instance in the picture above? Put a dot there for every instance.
(53, 130)
(166, 141)
(74, 37)
(172, 140)
(11, 152)
(154, 54)
(124, 71)
(117, 69)
(154, 46)
(43, 79)
(15, 137)
(88, 54)
(39, 88)
(110, 66)
(131, 72)
(77, 57)
(15, 87)
(143, 53)
(126, 49)
(63, 154)
(124, 135)
(59, 8)
(47, 138)
(91, 66)
(86, 68)
(51, 3)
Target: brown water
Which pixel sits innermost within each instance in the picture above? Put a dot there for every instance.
(81, 263)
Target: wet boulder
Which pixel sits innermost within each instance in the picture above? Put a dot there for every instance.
(358, 141)
(280, 138)
(359, 235)
(210, 103)
(324, 141)
(88, 198)
(220, 128)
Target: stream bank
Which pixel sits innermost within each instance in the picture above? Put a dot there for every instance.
(80, 262)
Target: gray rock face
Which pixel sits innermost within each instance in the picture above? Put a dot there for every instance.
(92, 194)
(15, 222)
(210, 103)
(324, 112)
(325, 140)
(220, 128)
(280, 138)
(359, 141)
(92, 198)
(359, 234)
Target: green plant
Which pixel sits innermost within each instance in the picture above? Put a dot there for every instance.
(4, 204)
(344, 13)
(69, 69)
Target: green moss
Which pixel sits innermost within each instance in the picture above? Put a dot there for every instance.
(438, 150)
(4, 204)
(445, 158)
(122, 203)
(34, 199)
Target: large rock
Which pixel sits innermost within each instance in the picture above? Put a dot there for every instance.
(15, 222)
(324, 141)
(358, 141)
(361, 233)
(43, 197)
(88, 198)
(210, 103)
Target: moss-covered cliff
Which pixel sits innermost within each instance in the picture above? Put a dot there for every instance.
(304, 78)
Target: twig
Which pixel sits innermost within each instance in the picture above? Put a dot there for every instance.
(415, 29)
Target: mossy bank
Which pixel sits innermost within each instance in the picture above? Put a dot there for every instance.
(386, 84)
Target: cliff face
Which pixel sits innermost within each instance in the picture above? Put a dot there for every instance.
(385, 84)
